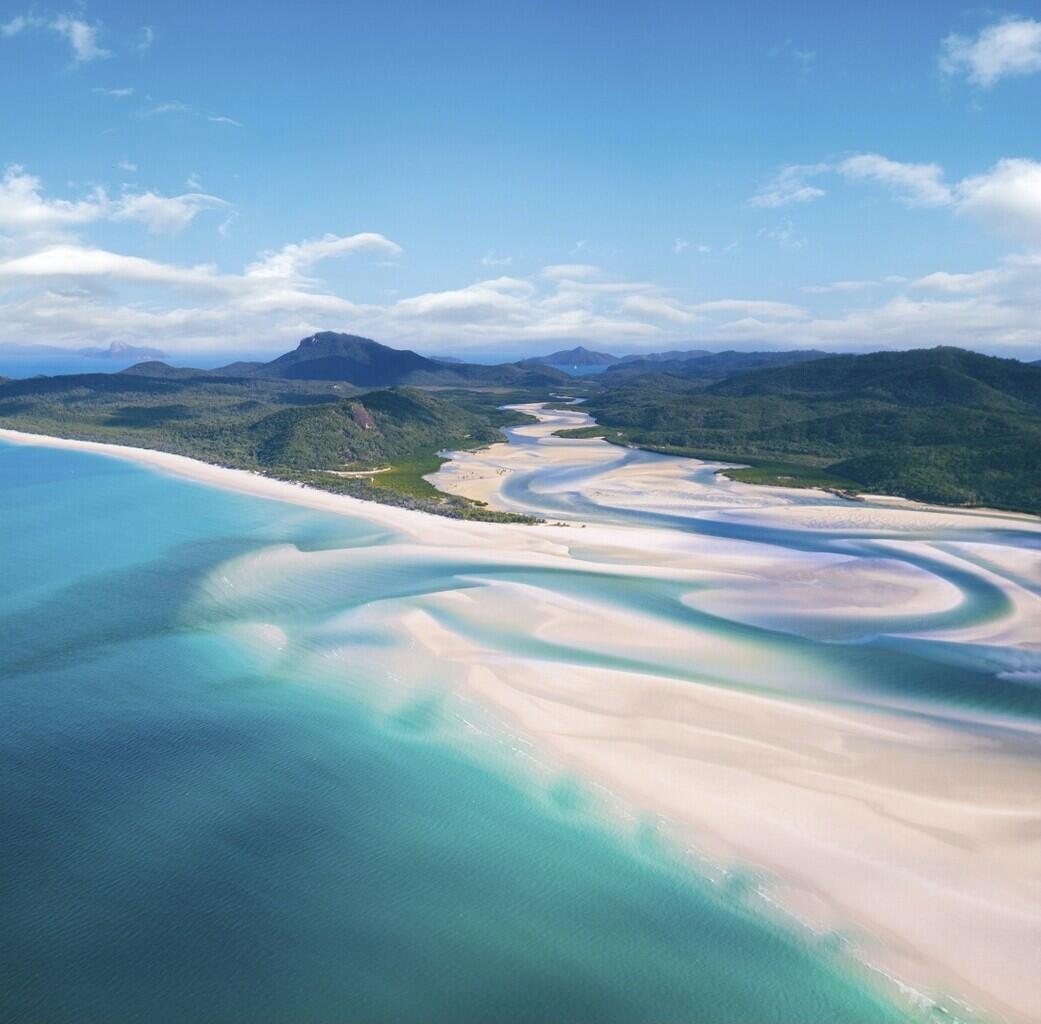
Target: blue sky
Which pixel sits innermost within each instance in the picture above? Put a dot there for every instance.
(501, 178)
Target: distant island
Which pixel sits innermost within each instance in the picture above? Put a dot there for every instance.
(351, 415)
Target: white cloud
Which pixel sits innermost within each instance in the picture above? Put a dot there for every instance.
(59, 288)
(1007, 198)
(491, 259)
(18, 24)
(170, 107)
(164, 213)
(570, 271)
(785, 234)
(502, 301)
(102, 91)
(942, 281)
(790, 186)
(837, 286)
(25, 210)
(681, 245)
(180, 107)
(916, 184)
(147, 38)
(77, 261)
(751, 307)
(83, 38)
(1010, 47)
(290, 260)
(126, 165)
(659, 308)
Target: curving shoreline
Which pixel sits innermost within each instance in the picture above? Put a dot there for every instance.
(908, 825)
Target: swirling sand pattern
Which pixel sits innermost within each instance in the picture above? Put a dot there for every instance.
(843, 697)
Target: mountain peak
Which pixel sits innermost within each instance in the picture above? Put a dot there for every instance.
(324, 339)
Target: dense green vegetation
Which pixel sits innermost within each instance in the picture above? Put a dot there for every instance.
(706, 366)
(311, 431)
(941, 424)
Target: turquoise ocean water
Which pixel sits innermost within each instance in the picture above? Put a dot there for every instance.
(195, 832)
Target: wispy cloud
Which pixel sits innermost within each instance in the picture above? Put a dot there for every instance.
(24, 209)
(838, 286)
(185, 109)
(492, 259)
(785, 234)
(802, 57)
(1008, 48)
(118, 93)
(790, 185)
(81, 36)
(914, 184)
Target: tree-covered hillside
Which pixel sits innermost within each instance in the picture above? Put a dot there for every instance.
(937, 425)
(311, 431)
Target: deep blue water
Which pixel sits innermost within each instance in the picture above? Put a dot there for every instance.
(193, 832)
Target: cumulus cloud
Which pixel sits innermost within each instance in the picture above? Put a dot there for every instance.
(23, 207)
(1007, 198)
(1010, 47)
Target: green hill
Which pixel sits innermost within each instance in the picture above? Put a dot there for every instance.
(941, 424)
(708, 365)
(310, 431)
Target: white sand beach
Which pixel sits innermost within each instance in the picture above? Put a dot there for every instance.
(916, 834)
